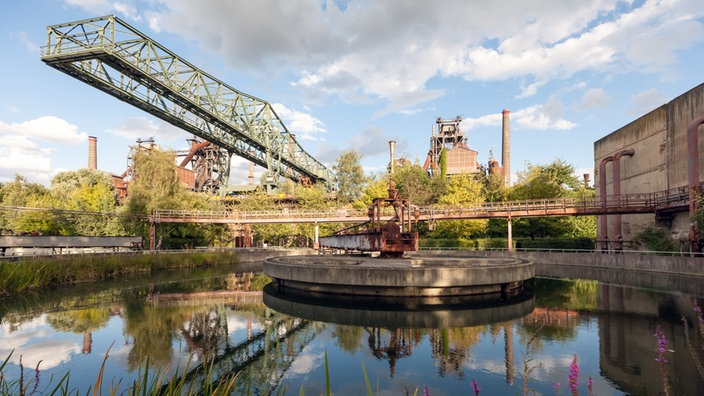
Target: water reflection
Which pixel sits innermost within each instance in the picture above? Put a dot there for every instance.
(221, 318)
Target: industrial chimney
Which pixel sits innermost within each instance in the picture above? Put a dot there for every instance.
(392, 153)
(92, 152)
(506, 147)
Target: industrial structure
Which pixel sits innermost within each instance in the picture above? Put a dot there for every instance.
(447, 137)
(658, 151)
(459, 157)
(112, 56)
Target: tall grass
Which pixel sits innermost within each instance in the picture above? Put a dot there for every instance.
(37, 273)
(145, 384)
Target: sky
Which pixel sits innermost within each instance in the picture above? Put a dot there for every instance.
(355, 74)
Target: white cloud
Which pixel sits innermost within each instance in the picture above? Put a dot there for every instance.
(646, 101)
(48, 128)
(23, 37)
(50, 353)
(27, 147)
(122, 8)
(141, 128)
(542, 117)
(303, 125)
(305, 363)
(594, 97)
(373, 141)
(485, 120)
(389, 51)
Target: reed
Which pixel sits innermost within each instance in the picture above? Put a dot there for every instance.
(146, 384)
(45, 272)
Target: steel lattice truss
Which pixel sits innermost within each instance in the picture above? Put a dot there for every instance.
(116, 58)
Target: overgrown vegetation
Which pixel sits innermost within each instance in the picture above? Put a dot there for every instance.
(36, 273)
(156, 187)
(656, 239)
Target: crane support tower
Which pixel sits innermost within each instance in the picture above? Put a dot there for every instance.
(116, 58)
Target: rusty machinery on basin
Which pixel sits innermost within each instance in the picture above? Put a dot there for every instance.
(387, 231)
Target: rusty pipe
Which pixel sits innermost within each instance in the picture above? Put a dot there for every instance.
(617, 186)
(693, 176)
(192, 152)
(603, 224)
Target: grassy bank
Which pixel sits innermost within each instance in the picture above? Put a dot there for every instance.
(50, 271)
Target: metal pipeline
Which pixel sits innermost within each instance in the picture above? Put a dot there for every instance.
(603, 224)
(192, 151)
(617, 189)
(693, 176)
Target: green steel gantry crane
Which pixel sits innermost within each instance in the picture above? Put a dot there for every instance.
(110, 55)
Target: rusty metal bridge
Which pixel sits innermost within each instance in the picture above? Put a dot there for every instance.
(661, 203)
(116, 58)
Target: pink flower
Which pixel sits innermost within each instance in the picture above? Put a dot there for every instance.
(574, 376)
(476, 387)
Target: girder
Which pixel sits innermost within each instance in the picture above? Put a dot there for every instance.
(116, 58)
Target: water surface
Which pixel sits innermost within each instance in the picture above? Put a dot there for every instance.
(178, 320)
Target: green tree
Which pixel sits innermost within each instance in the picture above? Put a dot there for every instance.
(155, 187)
(443, 164)
(377, 187)
(461, 190)
(350, 176)
(87, 190)
(414, 184)
(22, 193)
(537, 182)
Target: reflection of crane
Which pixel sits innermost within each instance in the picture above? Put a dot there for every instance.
(116, 58)
(399, 345)
(260, 361)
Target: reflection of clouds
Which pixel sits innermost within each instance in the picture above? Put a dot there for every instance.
(21, 338)
(236, 322)
(544, 366)
(306, 362)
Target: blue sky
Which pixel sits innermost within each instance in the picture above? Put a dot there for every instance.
(356, 74)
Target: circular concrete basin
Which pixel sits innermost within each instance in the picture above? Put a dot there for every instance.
(400, 277)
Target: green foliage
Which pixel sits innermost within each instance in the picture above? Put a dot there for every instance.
(493, 189)
(462, 189)
(443, 163)
(414, 184)
(376, 188)
(350, 176)
(79, 320)
(36, 273)
(544, 182)
(656, 239)
(155, 185)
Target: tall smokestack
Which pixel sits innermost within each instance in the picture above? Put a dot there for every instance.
(506, 147)
(392, 153)
(92, 152)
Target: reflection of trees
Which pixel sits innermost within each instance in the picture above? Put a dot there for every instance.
(80, 321)
(451, 347)
(347, 337)
(399, 344)
(152, 330)
(566, 294)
